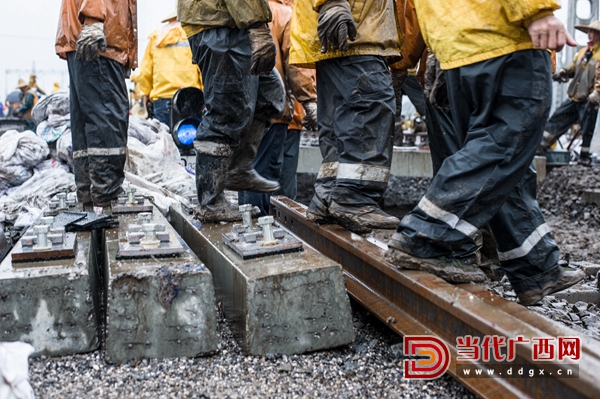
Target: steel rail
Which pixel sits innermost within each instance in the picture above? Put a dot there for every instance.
(418, 303)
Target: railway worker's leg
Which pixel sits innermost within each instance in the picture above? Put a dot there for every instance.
(363, 122)
(588, 125)
(561, 120)
(100, 149)
(499, 103)
(230, 92)
(330, 98)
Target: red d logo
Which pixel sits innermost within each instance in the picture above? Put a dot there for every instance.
(435, 357)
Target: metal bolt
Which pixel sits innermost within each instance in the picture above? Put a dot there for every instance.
(266, 223)
(42, 234)
(62, 200)
(130, 194)
(145, 217)
(150, 230)
(47, 220)
(246, 211)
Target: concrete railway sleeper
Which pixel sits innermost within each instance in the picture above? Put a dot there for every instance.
(418, 303)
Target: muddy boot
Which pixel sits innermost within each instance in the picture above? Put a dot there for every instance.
(318, 212)
(548, 140)
(584, 159)
(220, 211)
(212, 162)
(363, 218)
(568, 277)
(242, 176)
(447, 268)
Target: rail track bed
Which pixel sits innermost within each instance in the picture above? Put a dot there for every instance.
(418, 303)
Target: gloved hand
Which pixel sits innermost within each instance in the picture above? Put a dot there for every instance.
(336, 25)
(560, 76)
(91, 39)
(594, 99)
(263, 50)
(310, 120)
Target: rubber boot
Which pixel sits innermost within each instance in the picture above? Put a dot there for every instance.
(211, 172)
(318, 208)
(242, 176)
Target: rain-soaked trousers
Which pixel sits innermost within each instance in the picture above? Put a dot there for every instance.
(569, 113)
(233, 97)
(356, 111)
(238, 106)
(498, 108)
(99, 122)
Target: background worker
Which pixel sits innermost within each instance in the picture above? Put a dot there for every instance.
(167, 67)
(242, 91)
(34, 86)
(575, 108)
(499, 95)
(278, 140)
(99, 41)
(28, 101)
(356, 105)
(593, 101)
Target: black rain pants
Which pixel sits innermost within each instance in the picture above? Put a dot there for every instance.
(356, 112)
(569, 113)
(99, 123)
(233, 97)
(498, 108)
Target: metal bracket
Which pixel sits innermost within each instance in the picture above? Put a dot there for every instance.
(191, 201)
(149, 239)
(130, 203)
(59, 203)
(268, 239)
(43, 242)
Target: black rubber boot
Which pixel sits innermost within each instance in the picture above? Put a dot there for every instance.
(211, 172)
(242, 176)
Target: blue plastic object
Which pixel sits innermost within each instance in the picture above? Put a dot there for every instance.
(186, 133)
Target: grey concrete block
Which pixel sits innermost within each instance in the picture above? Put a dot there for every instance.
(157, 307)
(288, 303)
(575, 295)
(415, 163)
(591, 196)
(590, 269)
(50, 303)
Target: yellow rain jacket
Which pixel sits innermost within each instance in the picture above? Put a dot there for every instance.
(378, 32)
(463, 32)
(167, 64)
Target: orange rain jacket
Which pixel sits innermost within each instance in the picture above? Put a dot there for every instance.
(120, 27)
(299, 82)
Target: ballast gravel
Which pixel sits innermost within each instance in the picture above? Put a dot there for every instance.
(370, 367)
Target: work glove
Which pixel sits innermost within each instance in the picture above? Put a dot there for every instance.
(336, 25)
(310, 120)
(561, 76)
(91, 39)
(594, 99)
(263, 50)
